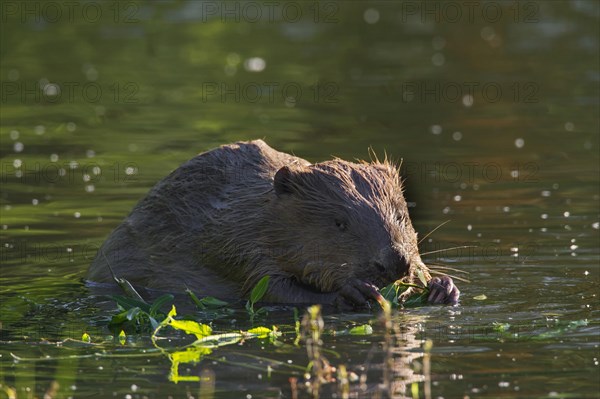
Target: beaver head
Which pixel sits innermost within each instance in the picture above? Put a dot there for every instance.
(336, 220)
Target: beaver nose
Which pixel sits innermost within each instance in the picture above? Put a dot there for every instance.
(392, 263)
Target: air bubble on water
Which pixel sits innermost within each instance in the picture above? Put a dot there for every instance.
(506, 209)
(91, 73)
(255, 64)
(371, 16)
(436, 129)
(73, 165)
(514, 249)
(35, 201)
(569, 126)
(13, 75)
(62, 172)
(446, 210)
(586, 273)
(69, 250)
(457, 136)
(77, 215)
(567, 214)
(130, 171)
(468, 100)
(596, 225)
(438, 43)
(546, 193)
(469, 227)
(90, 153)
(555, 186)
(18, 147)
(543, 229)
(96, 170)
(39, 130)
(487, 33)
(4, 227)
(134, 388)
(51, 90)
(514, 173)
(71, 127)
(544, 216)
(574, 247)
(19, 173)
(233, 59)
(90, 188)
(14, 134)
(17, 163)
(290, 102)
(475, 186)
(457, 198)
(519, 143)
(463, 185)
(53, 157)
(229, 70)
(438, 59)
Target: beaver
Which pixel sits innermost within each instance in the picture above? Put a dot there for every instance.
(329, 232)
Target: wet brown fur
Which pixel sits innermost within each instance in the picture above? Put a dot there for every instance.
(224, 219)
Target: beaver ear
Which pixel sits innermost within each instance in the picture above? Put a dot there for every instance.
(283, 181)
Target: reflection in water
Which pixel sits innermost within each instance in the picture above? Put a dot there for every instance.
(495, 119)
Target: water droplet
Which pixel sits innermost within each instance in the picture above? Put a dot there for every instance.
(371, 16)
(438, 59)
(255, 64)
(519, 143)
(77, 215)
(436, 129)
(18, 147)
(468, 100)
(457, 136)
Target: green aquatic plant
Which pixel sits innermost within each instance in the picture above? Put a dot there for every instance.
(257, 293)
(137, 316)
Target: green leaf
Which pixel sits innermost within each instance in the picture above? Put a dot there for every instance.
(213, 303)
(365, 329)
(122, 337)
(259, 290)
(390, 292)
(191, 327)
(421, 277)
(261, 332)
(132, 313)
(86, 337)
(128, 303)
(159, 302)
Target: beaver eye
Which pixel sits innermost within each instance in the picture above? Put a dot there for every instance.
(340, 225)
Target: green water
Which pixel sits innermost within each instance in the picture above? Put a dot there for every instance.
(492, 108)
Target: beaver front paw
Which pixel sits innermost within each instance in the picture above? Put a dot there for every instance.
(356, 294)
(443, 291)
